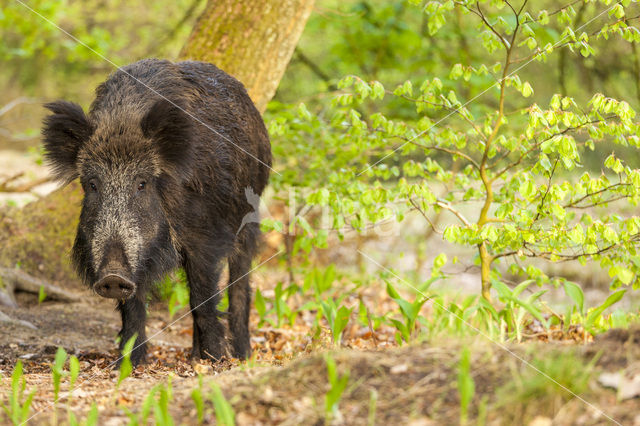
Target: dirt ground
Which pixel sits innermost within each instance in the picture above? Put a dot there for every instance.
(285, 383)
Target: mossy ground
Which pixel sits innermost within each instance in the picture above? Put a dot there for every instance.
(38, 237)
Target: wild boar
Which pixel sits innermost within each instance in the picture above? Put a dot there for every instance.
(165, 156)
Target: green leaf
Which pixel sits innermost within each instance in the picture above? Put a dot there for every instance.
(340, 322)
(198, 401)
(346, 82)
(502, 289)
(378, 90)
(392, 292)
(439, 261)
(594, 315)
(74, 370)
(260, 304)
(126, 368)
(224, 411)
(527, 189)
(576, 235)
(92, 417)
(456, 72)
(337, 385)
(58, 370)
(26, 407)
(625, 275)
(574, 291)
(363, 314)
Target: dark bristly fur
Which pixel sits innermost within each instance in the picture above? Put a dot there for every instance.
(64, 132)
(164, 190)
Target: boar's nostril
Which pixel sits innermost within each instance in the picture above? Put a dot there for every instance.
(114, 286)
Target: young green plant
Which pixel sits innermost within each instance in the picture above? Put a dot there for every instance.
(337, 385)
(18, 407)
(224, 411)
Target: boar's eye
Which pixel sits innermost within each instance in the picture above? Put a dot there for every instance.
(142, 185)
(93, 187)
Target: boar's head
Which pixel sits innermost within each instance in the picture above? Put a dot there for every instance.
(126, 161)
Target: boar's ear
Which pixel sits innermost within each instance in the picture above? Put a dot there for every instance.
(64, 133)
(171, 130)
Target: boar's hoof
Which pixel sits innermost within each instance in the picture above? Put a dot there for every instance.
(114, 286)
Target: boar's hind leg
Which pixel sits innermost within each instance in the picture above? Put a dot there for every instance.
(208, 331)
(134, 316)
(239, 304)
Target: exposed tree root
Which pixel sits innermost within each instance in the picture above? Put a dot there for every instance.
(7, 319)
(15, 279)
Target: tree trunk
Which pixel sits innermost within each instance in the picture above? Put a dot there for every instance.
(251, 40)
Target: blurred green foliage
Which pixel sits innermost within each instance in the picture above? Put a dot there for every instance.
(515, 111)
(41, 59)
(394, 40)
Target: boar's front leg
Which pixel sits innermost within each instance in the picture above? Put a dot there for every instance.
(208, 331)
(134, 316)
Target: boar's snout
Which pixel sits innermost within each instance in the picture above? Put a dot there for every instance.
(114, 286)
(113, 282)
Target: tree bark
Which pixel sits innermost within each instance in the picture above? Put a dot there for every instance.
(251, 40)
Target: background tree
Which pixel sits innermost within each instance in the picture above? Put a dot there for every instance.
(254, 42)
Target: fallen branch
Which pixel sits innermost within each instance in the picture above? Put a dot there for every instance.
(6, 184)
(15, 279)
(18, 101)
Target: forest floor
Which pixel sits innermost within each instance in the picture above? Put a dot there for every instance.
(286, 381)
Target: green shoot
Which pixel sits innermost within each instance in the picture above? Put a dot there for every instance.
(261, 307)
(57, 371)
(320, 281)
(594, 316)
(143, 416)
(466, 385)
(126, 368)
(373, 404)
(196, 396)
(574, 291)
(42, 294)
(410, 312)
(337, 318)
(337, 386)
(92, 417)
(179, 299)
(280, 303)
(18, 411)
(224, 411)
(71, 418)
(74, 371)
(161, 406)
